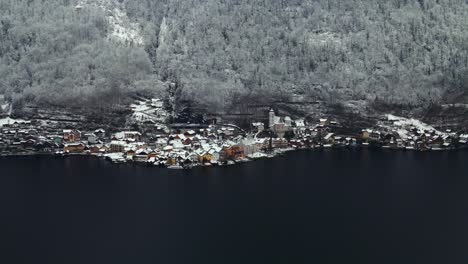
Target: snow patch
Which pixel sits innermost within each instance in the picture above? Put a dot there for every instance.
(324, 39)
(122, 29)
(4, 108)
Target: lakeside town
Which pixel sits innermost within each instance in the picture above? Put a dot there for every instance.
(186, 145)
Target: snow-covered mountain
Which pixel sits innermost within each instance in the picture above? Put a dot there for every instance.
(360, 57)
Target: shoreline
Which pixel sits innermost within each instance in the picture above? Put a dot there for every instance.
(235, 162)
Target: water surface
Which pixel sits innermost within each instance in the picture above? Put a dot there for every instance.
(306, 207)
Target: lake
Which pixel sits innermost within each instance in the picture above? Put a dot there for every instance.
(340, 206)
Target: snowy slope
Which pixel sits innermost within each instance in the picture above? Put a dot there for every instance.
(122, 29)
(403, 125)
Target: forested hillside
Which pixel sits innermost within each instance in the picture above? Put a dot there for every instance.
(52, 53)
(220, 53)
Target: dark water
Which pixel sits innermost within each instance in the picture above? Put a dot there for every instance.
(307, 207)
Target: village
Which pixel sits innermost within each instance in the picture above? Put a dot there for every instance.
(186, 145)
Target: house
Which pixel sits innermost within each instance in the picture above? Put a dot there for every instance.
(100, 133)
(329, 138)
(43, 146)
(296, 143)
(190, 133)
(368, 134)
(340, 140)
(196, 140)
(130, 154)
(365, 134)
(183, 127)
(71, 135)
(262, 143)
(92, 138)
(223, 157)
(141, 155)
(187, 142)
(258, 127)
(193, 156)
(160, 143)
(452, 138)
(133, 135)
(94, 149)
(228, 131)
(74, 148)
(235, 152)
(152, 154)
(436, 141)
(211, 136)
(324, 122)
(463, 139)
(117, 146)
(249, 146)
(180, 137)
(206, 157)
(214, 152)
(279, 143)
(177, 144)
(32, 132)
(55, 138)
(400, 143)
(129, 136)
(300, 123)
(172, 160)
(168, 148)
(29, 143)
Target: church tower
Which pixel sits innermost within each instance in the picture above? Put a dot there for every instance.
(271, 118)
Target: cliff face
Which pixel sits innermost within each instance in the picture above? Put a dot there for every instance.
(223, 56)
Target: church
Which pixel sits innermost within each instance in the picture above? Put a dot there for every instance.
(279, 125)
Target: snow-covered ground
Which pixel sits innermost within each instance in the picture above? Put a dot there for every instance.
(122, 29)
(149, 110)
(459, 105)
(320, 39)
(4, 105)
(4, 108)
(8, 120)
(403, 125)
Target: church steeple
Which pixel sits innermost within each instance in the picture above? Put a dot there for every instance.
(271, 118)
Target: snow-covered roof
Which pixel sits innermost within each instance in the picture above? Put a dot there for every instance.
(277, 120)
(177, 144)
(300, 122)
(168, 148)
(118, 142)
(328, 136)
(136, 133)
